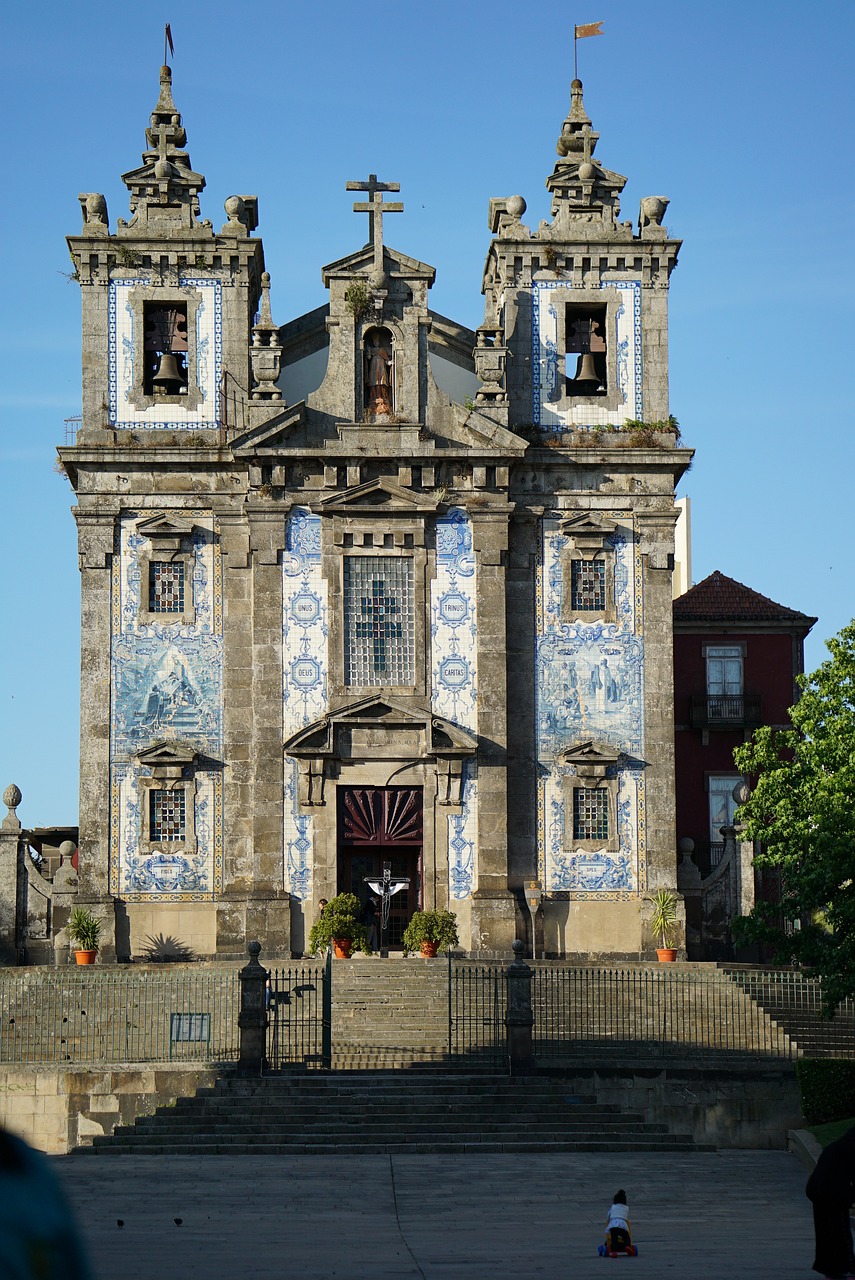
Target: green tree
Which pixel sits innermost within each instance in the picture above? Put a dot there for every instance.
(802, 808)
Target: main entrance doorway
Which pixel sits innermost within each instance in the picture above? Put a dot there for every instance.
(377, 825)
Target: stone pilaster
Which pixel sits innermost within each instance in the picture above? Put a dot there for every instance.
(11, 916)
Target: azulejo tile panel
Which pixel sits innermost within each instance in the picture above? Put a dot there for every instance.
(590, 685)
(545, 335)
(123, 349)
(305, 671)
(454, 675)
(167, 682)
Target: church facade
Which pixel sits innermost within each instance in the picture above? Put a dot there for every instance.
(370, 588)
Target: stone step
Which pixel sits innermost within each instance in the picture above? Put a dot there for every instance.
(392, 1148)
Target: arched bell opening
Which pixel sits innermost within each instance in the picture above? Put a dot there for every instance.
(378, 378)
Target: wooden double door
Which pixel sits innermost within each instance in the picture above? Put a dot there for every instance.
(379, 825)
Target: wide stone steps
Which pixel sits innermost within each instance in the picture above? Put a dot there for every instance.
(388, 1113)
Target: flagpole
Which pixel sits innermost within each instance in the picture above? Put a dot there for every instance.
(164, 44)
(575, 61)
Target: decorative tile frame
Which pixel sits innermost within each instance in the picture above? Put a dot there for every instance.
(545, 360)
(166, 685)
(454, 677)
(305, 676)
(122, 340)
(590, 685)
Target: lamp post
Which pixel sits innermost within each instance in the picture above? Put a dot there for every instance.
(534, 899)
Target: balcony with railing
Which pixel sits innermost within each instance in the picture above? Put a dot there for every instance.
(726, 710)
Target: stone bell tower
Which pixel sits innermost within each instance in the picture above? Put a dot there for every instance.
(171, 361)
(573, 355)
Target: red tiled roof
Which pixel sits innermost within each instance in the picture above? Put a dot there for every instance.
(719, 598)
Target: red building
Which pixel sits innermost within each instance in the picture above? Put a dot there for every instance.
(736, 657)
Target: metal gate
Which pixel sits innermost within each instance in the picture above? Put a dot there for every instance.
(299, 1016)
(476, 1009)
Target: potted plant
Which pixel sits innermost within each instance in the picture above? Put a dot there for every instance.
(339, 926)
(662, 921)
(430, 930)
(85, 930)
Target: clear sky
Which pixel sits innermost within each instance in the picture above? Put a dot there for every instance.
(741, 113)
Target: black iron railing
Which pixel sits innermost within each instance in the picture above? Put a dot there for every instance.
(476, 1012)
(725, 710)
(299, 1013)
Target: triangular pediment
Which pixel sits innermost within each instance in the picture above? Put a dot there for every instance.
(378, 495)
(167, 754)
(442, 736)
(590, 524)
(590, 758)
(395, 263)
(163, 526)
(275, 431)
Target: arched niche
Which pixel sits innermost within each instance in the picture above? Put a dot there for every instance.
(378, 372)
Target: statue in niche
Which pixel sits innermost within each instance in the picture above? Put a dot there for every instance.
(378, 372)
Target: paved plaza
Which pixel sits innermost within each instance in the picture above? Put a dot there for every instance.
(732, 1213)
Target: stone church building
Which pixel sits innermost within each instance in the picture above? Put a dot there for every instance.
(371, 587)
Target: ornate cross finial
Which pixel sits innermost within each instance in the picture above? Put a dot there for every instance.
(376, 208)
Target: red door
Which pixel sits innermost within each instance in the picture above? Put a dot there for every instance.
(378, 825)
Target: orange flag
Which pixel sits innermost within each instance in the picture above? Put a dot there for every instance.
(589, 29)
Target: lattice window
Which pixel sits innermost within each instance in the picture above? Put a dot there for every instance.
(588, 584)
(166, 586)
(167, 810)
(590, 813)
(379, 620)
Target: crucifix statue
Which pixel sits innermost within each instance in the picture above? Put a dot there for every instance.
(376, 208)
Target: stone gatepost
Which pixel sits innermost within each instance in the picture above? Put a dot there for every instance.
(11, 885)
(519, 1015)
(252, 1019)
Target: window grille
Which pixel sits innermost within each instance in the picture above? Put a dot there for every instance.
(166, 586)
(590, 813)
(588, 584)
(379, 620)
(168, 815)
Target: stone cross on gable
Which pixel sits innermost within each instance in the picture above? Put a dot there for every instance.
(376, 208)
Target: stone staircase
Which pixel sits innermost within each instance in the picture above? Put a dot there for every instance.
(389, 1014)
(395, 1112)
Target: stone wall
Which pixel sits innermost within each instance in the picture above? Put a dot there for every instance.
(56, 1108)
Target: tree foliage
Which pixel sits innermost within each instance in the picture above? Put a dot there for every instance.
(802, 808)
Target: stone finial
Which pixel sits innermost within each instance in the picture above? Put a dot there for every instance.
(12, 798)
(651, 211)
(582, 188)
(266, 351)
(577, 137)
(741, 792)
(164, 190)
(67, 850)
(242, 213)
(96, 221)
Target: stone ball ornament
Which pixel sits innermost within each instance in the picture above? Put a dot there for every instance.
(686, 845)
(67, 850)
(516, 206)
(234, 206)
(587, 171)
(378, 279)
(741, 792)
(12, 796)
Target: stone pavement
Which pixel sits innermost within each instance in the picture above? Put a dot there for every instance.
(704, 1217)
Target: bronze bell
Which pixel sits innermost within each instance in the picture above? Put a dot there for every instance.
(586, 369)
(169, 378)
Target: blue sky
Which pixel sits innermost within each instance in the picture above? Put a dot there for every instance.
(741, 114)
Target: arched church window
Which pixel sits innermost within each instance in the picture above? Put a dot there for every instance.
(378, 373)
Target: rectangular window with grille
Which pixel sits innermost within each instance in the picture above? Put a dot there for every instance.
(590, 813)
(167, 815)
(379, 621)
(165, 586)
(588, 584)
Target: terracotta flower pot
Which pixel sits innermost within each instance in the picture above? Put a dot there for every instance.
(342, 948)
(85, 957)
(666, 954)
(429, 949)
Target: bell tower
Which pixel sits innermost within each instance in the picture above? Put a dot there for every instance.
(180, 352)
(573, 355)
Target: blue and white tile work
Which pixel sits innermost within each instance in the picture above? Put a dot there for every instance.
(547, 394)
(166, 686)
(454, 629)
(305, 670)
(590, 685)
(123, 352)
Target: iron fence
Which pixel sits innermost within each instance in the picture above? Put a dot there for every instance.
(105, 1015)
(299, 1016)
(476, 1016)
(683, 1012)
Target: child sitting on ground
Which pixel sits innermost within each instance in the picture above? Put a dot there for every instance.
(618, 1232)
